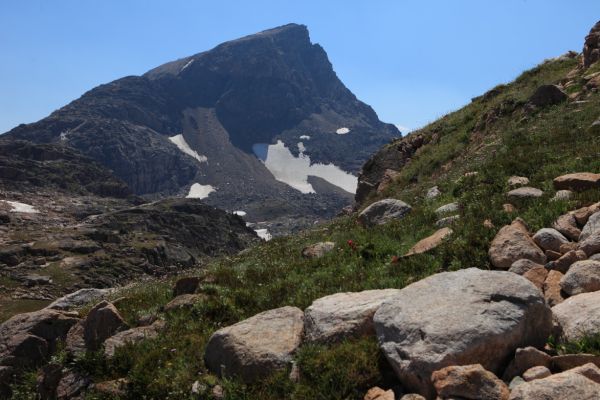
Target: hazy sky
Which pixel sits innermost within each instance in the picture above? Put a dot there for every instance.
(413, 61)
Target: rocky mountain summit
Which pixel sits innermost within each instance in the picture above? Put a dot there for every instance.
(260, 124)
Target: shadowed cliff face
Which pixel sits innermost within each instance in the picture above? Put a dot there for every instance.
(274, 85)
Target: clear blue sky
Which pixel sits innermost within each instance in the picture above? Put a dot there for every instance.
(413, 61)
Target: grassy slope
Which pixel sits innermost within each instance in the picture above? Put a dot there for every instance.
(540, 145)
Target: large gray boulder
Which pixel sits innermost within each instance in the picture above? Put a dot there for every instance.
(343, 315)
(456, 318)
(383, 211)
(592, 226)
(578, 316)
(132, 336)
(525, 193)
(591, 244)
(257, 346)
(582, 276)
(578, 383)
(512, 243)
(549, 239)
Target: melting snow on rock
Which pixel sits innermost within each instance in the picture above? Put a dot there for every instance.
(305, 137)
(240, 213)
(179, 141)
(198, 191)
(295, 171)
(264, 234)
(342, 131)
(20, 207)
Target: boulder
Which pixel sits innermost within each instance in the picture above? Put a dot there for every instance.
(562, 195)
(383, 211)
(447, 208)
(512, 243)
(595, 257)
(583, 214)
(27, 339)
(582, 277)
(526, 358)
(592, 226)
(102, 322)
(552, 289)
(591, 47)
(132, 336)
(578, 316)
(577, 182)
(187, 285)
(430, 242)
(549, 239)
(523, 265)
(525, 192)
(533, 373)
(442, 222)
(343, 315)
(79, 298)
(471, 382)
(183, 301)
(318, 250)
(566, 260)
(568, 385)
(565, 362)
(547, 95)
(591, 244)
(432, 193)
(377, 393)
(456, 318)
(515, 181)
(71, 384)
(537, 276)
(567, 225)
(257, 346)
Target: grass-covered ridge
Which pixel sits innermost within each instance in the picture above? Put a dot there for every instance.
(497, 136)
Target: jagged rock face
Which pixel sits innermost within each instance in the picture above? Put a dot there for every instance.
(591, 48)
(271, 86)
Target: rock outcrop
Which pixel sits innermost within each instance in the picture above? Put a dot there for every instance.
(591, 47)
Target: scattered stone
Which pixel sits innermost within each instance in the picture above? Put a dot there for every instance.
(72, 384)
(430, 242)
(514, 181)
(509, 208)
(566, 260)
(551, 288)
(569, 361)
(383, 211)
(132, 336)
(35, 280)
(578, 316)
(591, 244)
(567, 225)
(442, 222)
(102, 322)
(318, 250)
(377, 393)
(429, 324)
(294, 375)
(218, 393)
(562, 195)
(257, 346)
(534, 373)
(432, 193)
(513, 243)
(592, 226)
(537, 276)
(577, 182)
(572, 384)
(487, 223)
(583, 214)
(447, 208)
(582, 277)
(79, 298)
(523, 265)
(187, 285)
(547, 95)
(469, 382)
(525, 193)
(526, 358)
(184, 301)
(343, 315)
(549, 239)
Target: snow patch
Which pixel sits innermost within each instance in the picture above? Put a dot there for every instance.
(264, 234)
(305, 137)
(301, 147)
(179, 141)
(342, 131)
(240, 213)
(294, 171)
(21, 207)
(198, 191)
(64, 136)
(186, 65)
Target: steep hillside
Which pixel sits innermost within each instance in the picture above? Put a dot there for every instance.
(242, 125)
(464, 166)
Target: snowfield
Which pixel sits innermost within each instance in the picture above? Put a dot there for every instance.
(198, 191)
(20, 207)
(179, 141)
(295, 171)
